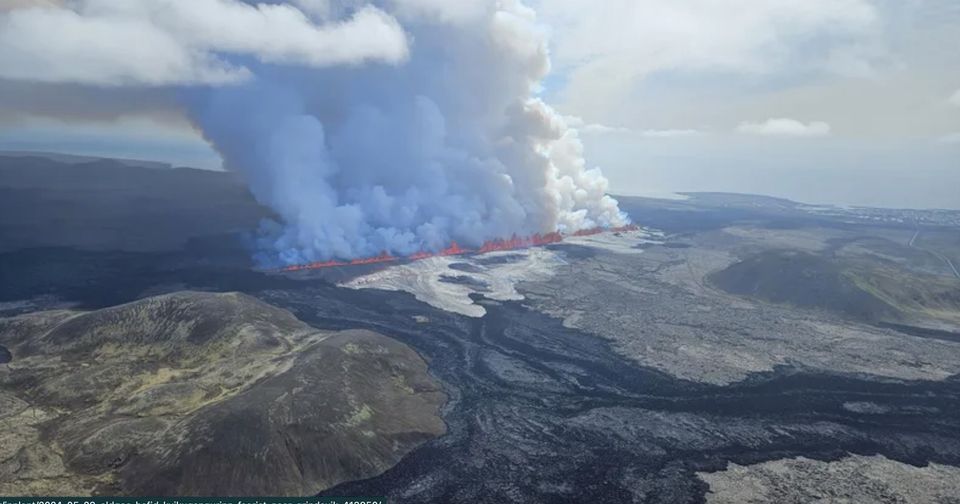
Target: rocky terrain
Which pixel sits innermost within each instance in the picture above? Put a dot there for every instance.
(662, 309)
(609, 368)
(203, 394)
(107, 204)
(851, 480)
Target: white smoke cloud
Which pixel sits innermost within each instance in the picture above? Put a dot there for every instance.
(166, 42)
(368, 126)
(785, 128)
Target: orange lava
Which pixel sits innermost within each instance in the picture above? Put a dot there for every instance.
(384, 257)
(516, 242)
(420, 255)
(588, 232)
(497, 245)
(624, 229)
(453, 250)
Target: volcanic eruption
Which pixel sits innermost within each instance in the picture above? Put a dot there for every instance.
(404, 156)
(372, 128)
(497, 245)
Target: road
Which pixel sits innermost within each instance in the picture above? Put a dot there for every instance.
(940, 256)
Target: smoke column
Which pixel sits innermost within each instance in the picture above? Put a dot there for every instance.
(447, 143)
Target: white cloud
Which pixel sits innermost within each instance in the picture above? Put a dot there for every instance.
(603, 129)
(9, 5)
(163, 42)
(608, 49)
(319, 9)
(955, 99)
(785, 128)
(592, 128)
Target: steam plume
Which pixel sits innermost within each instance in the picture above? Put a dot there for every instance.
(369, 126)
(447, 146)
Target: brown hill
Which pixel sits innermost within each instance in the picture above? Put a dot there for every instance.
(203, 394)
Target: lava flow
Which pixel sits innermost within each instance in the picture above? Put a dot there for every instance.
(497, 245)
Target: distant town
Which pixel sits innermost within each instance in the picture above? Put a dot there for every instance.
(932, 217)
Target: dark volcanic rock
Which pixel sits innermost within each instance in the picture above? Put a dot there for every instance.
(574, 251)
(637, 379)
(499, 259)
(924, 332)
(344, 411)
(109, 205)
(5, 356)
(205, 394)
(465, 280)
(804, 280)
(465, 267)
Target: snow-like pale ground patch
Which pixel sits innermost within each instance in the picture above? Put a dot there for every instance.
(493, 275)
(424, 279)
(620, 243)
(855, 479)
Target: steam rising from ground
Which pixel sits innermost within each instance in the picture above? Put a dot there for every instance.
(448, 283)
(369, 126)
(447, 145)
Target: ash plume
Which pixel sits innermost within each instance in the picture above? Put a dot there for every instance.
(369, 126)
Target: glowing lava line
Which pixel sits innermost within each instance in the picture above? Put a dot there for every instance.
(498, 245)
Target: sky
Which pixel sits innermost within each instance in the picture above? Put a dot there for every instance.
(853, 102)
